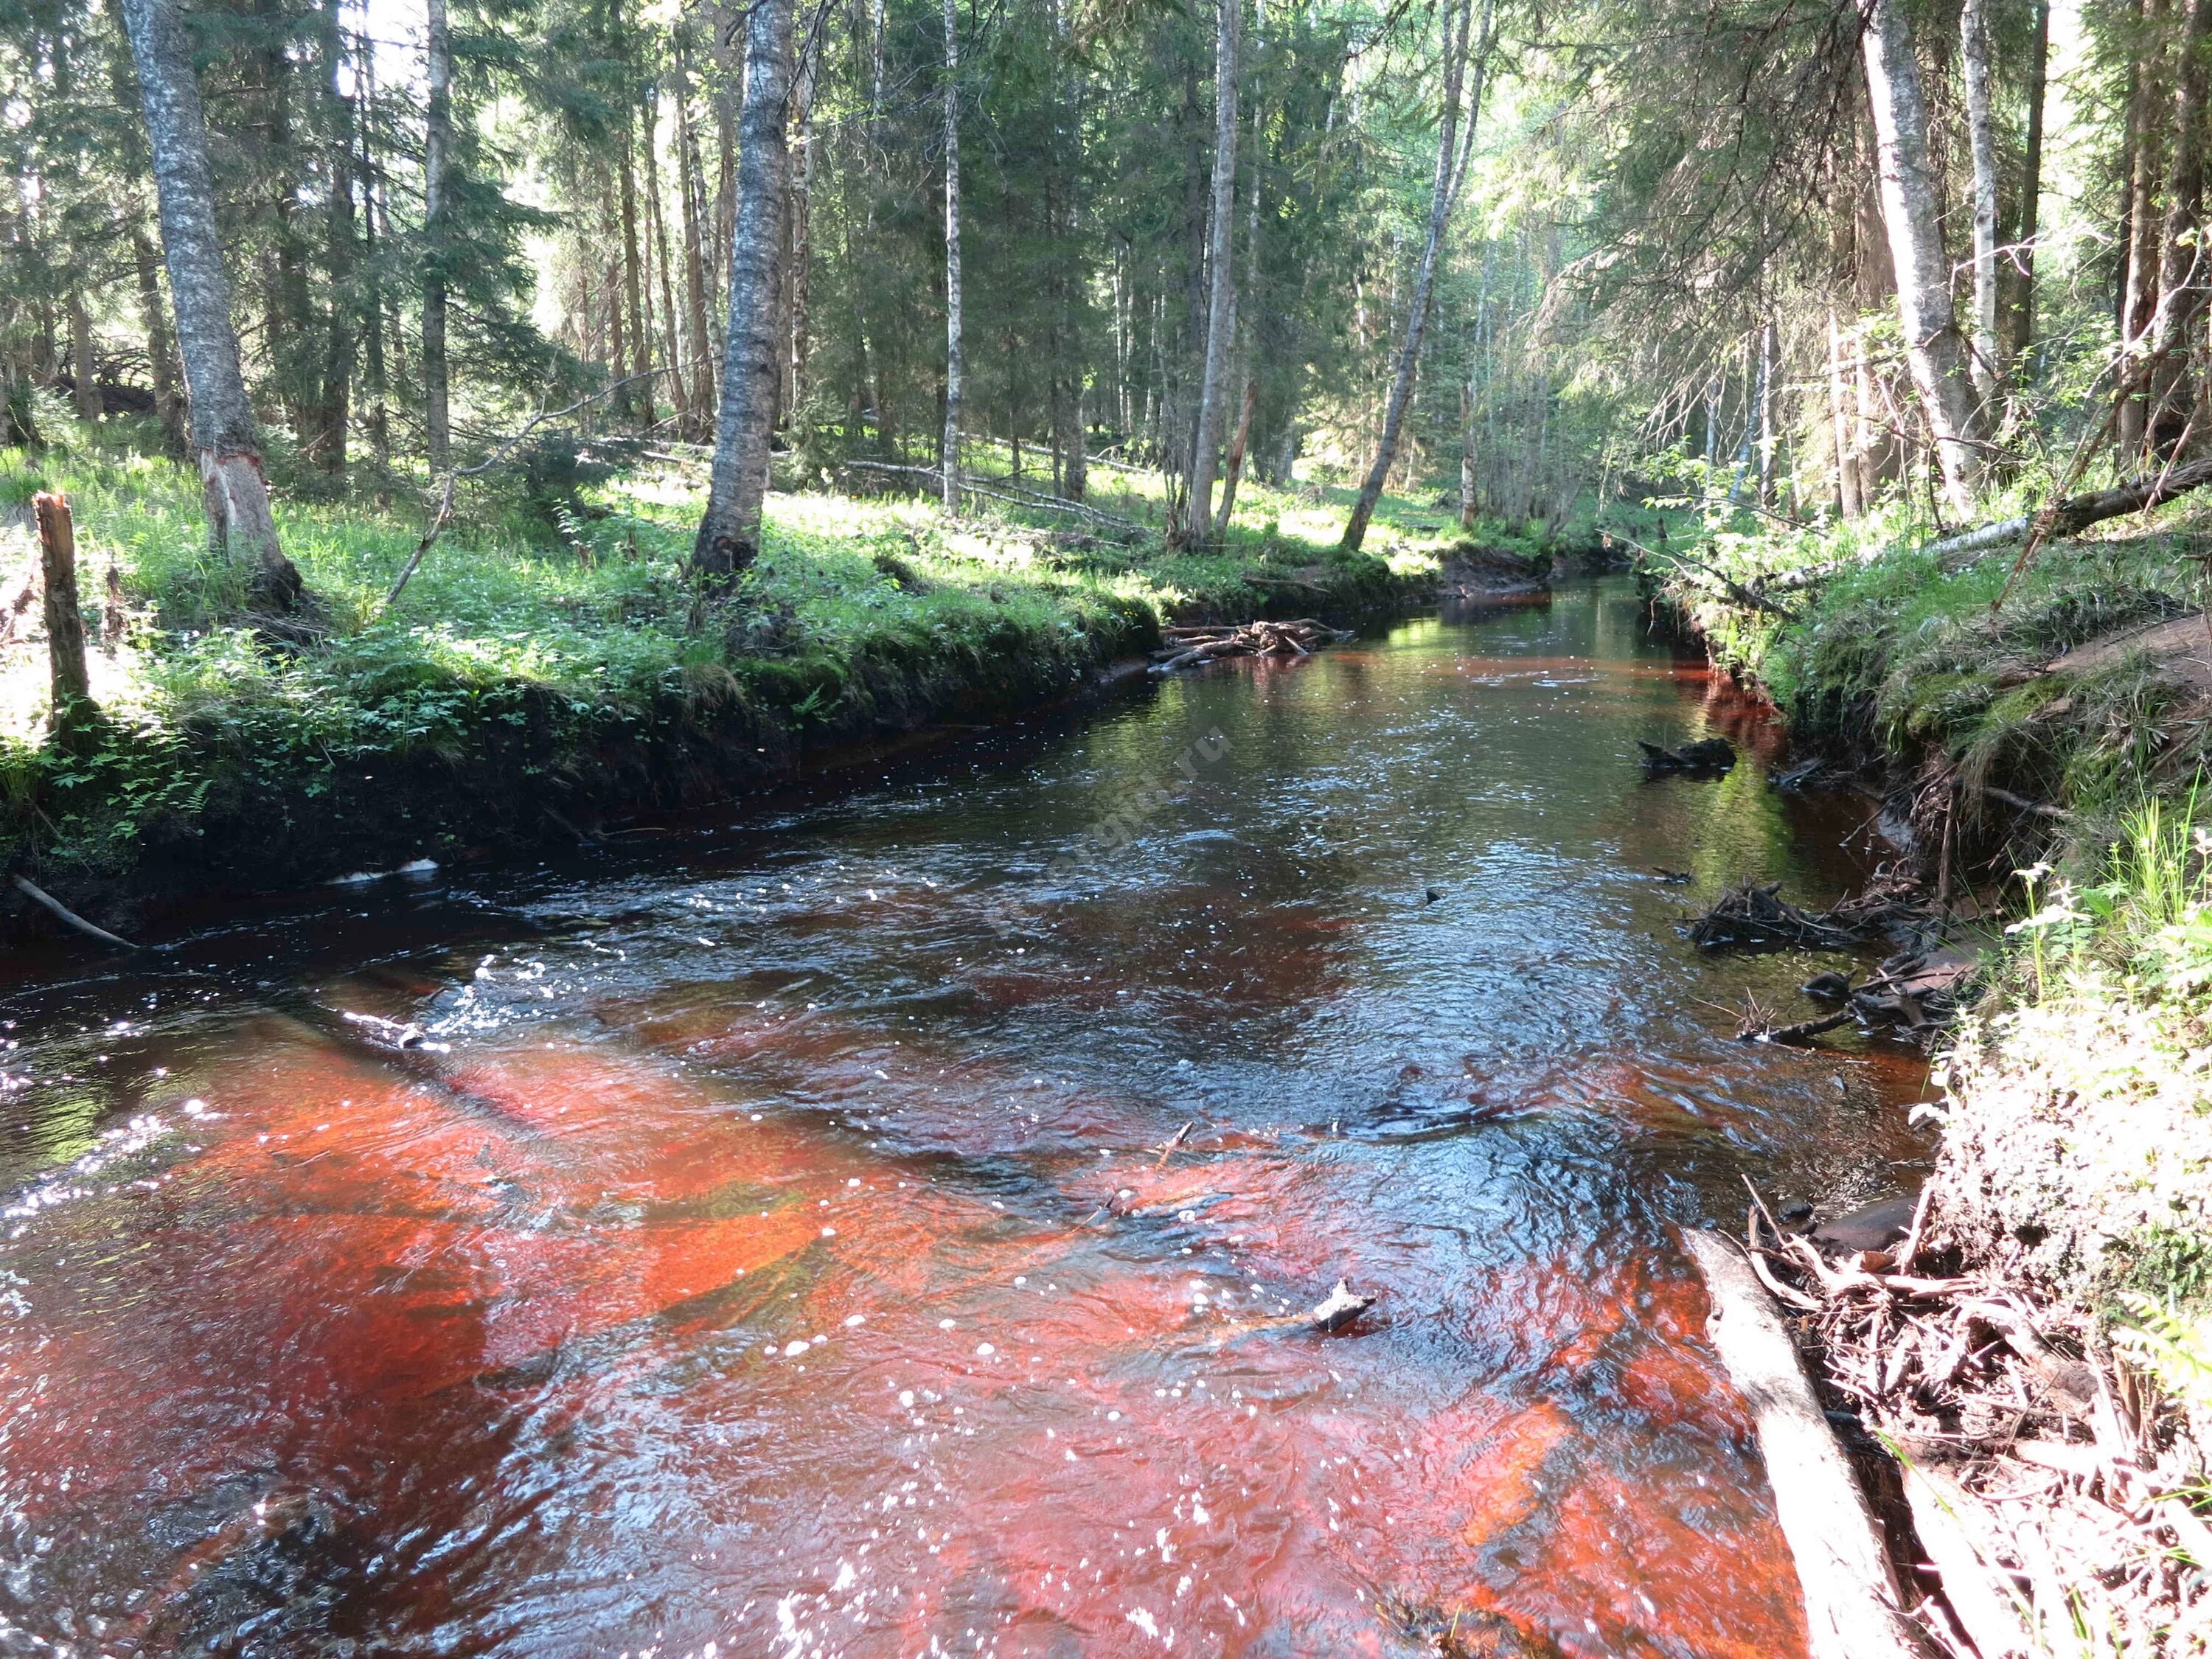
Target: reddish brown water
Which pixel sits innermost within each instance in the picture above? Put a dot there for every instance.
(737, 1282)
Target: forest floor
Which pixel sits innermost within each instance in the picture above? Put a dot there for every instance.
(2051, 1395)
(548, 672)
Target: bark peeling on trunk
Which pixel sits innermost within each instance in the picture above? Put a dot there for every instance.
(223, 438)
(729, 533)
(1932, 345)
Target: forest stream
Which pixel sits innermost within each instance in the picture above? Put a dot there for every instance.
(774, 1240)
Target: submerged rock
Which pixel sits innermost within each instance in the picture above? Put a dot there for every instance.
(1705, 754)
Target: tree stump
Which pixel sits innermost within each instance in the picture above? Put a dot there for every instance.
(73, 710)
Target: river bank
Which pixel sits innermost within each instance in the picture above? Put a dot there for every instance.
(545, 679)
(2047, 1396)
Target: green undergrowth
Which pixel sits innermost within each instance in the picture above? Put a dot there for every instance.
(1901, 656)
(2079, 1137)
(548, 654)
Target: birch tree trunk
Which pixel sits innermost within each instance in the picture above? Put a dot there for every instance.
(949, 465)
(1417, 313)
(437, 159)
(224, 440)
(1221, 298)
(729, 533)
(1932, 344)
(342, 321)
(1976, 50)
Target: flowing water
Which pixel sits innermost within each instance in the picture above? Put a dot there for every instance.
(778, 1256)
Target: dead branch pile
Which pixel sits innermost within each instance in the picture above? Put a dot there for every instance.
(2052, 1489)
(1753, 917)
(1187, 647)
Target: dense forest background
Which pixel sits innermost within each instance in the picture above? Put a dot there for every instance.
(1806, 257)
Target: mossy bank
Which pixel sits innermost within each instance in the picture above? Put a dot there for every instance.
(550, 671)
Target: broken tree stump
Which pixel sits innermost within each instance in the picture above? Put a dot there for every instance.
(72, 709)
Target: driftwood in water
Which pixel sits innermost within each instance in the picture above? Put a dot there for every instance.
(1753, 917)
(1852, 1609)
(39, 896)
(1706, 755)
(1187, 647)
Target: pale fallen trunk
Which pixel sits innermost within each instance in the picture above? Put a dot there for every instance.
(729, 532)
(437, 158)
(949, 463)
(223, 438)
(1852, 1603)
(1221, 297)
(1441, 192)
(1977, 52)
(1908, 206)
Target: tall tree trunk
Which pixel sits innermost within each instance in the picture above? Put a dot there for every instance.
(694, 273)
(1221, 297)
(637, 396)
(955, 365)
(1417, 312)
(799, 288)
(729, 533)
(1847, 471)
(2022, 315)
(1909, 204)
(335, 413)
(1467, 470)
(437, 159)
(1863, 449)
(84, 374)
(376, 381)
(161, 353)
(1977, 52)
(224, 439)
(656, 219)
(2139, 298)
(2182, 262)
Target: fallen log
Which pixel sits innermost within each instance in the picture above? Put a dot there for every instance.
(1852, 1607)
(2069, 517)
(1189, 645)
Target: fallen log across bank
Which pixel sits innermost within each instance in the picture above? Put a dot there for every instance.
(1852, 1606)
(2067, 517)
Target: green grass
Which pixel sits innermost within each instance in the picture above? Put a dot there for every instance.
(542, 634)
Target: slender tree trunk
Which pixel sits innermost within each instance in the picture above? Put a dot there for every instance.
(376, 382)
(1417, 313)
(437, 159)
(799, 288)
(224, 440)
(1864, 449)
(657, 223)
(343, 323)
(84, 374)
(1847, 474)
(1467, 469)
(1978, 51)
(1909, 203)
(955, 365)
(695, 275)
(2139, 299)
(1232, 470)
(1221, 298)
(2182, 264)
(730, 532)
(636, 397)
(2022, 315)
(161, 353)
